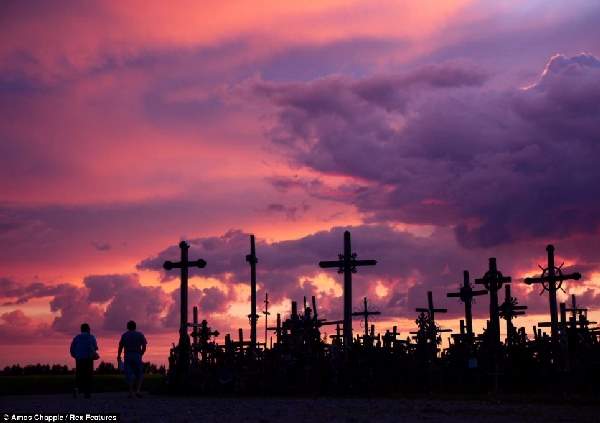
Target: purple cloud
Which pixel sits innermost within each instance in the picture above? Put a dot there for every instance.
(452, 150)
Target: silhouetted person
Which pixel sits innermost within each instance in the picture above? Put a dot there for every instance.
(84, 350)
(134, 344)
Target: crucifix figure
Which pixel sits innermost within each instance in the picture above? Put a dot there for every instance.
(466, 294)
(253, 317)
(510, 309)
(493, 281)
(365, 314)
(184, 341)
(267, 314)
(551, 281)
(347, 265)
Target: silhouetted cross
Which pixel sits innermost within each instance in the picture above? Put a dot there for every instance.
(253, 317)
(365, 314)
(509, 310)
(466, 295)
(184, 264)
(493, 281)
(551, 281)
(347, 265)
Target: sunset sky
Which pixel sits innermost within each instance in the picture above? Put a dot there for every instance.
(440, 132)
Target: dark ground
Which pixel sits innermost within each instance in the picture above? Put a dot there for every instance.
(188, 409)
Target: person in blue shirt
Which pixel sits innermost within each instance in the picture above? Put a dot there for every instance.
(84, 350)
(134, 345)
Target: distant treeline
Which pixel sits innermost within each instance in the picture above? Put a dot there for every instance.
(102, 368)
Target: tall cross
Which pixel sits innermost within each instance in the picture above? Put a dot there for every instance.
(267, 314)
(551, 281)
(184, 264)
(252, 260)
(365, 314)
(508, 311)
(347, 265)
(493, 281)
(466, 294)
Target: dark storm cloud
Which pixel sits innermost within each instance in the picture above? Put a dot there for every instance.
(439, 146)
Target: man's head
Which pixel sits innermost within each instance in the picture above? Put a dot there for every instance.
(85, 328)
(131, 325)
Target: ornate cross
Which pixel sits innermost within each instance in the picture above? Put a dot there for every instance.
(493, 281)
(551, 281)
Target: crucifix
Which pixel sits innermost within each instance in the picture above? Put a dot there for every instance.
(253, 317)
(510, 309)
(551, 281)
(493, 281)
(365, 314)
(267, 314)
(347, 265)
(466, 294)
(184, 264)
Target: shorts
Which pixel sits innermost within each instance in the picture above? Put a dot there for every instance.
(133, 367)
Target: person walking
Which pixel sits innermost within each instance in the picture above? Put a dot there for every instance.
(84, 349)
(134, 344)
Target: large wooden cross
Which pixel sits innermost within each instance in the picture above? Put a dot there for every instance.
(493, 281)
(365, 313)
(466, 293)
(184, 264)
(551, 281)
(253, 317)
(347, 265)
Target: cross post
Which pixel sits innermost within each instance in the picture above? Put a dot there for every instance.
(347, 265)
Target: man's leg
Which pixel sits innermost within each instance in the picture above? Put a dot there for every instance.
(88, 374)
(78, 376)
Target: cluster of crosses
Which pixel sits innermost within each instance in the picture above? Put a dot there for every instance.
(300, 332)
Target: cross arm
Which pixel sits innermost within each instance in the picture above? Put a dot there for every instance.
(329, 264)
(168, 265)
(453, 294)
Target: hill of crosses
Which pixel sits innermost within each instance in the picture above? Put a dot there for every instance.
(557, 355)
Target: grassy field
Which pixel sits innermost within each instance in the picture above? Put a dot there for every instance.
(48, 384)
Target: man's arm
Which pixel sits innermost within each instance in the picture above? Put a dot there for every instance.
(144, 342)
(120, 348)
(72, 349)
